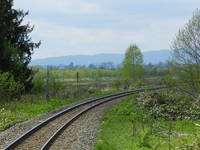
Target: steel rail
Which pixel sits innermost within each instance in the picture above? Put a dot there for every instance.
(53, 138)
(27, 134)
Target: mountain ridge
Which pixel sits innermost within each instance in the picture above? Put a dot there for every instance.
(153, 57)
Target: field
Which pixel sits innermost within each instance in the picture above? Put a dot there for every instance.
(165, 120)
(60, 82)
(55, 88)
(62, 89)
(125, 127)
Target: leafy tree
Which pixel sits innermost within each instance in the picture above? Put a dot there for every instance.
(9, 88)
(132, 65)
(16, 45)
(186, 56)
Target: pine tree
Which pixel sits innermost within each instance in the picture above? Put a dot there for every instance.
(16, 46)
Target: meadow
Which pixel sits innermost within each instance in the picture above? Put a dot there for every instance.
(164, 120)
(30, 106)
(53, 89)
(129, 127)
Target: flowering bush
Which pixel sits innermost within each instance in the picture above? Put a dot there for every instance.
(169, 105)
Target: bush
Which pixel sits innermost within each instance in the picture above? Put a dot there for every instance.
(38, 86)
(169, 105)
(139, 84)
(169, 81)
(117, 84)
(9, 88)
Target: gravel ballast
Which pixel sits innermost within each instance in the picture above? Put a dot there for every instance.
(81, 135)
(9, 135)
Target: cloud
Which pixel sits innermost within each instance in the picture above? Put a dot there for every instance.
(167, 1)
(58, 6)
(72, 40)
(58, 40)
(68, 27)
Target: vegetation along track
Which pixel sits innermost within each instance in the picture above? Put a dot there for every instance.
(44, 134)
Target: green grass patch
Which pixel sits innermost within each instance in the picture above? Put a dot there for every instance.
(13, 112)
(125, 127)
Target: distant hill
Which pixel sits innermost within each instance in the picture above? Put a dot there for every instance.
(153, 57)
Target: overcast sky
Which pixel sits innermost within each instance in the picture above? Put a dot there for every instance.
(69, 27)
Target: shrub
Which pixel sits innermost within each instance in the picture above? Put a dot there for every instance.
(169, 105)
(38, 86)
(117, 84)
(9, 88)
(169, 81)
(139, 83)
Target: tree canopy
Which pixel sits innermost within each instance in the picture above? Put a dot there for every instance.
(186, 55)
(132, 64)
(16, 45)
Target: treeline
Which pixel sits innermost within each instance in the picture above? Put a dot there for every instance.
(103, 65)
(72, 66)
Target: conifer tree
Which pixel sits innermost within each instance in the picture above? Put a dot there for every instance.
(16, 46)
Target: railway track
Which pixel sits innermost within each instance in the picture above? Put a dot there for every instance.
(43, 135)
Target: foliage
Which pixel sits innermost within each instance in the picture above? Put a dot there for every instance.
(38, 86)
(145, 139)
(132, 65)
(139, 84)
(72, 66)
(92, 79)
(9, 88)
(155, 71)
(169, 81)
(84, 73)
(17, 111)
(186, 56)
(63, 83)
(169, 105)
(125, 126)
(16, 46)
(117, 84)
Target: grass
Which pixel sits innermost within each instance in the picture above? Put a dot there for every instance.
(13, 112)
(124, 127)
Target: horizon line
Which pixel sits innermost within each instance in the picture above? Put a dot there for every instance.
(93, 54)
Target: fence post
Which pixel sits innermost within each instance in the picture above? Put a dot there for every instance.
(77, 79)
(47, 85)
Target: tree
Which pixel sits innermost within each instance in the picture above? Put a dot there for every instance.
(107, 65)
(132, 65)
(92, 66)
(186, 56)
(16, 46)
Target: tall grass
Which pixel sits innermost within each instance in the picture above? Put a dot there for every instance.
(30, 106)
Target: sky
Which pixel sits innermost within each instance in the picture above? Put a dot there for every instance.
(72, 27)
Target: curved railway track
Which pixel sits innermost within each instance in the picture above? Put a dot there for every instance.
(46, 132)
